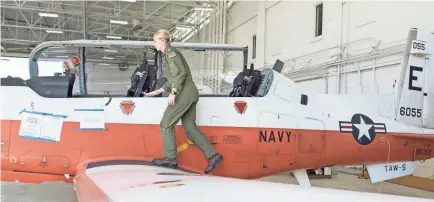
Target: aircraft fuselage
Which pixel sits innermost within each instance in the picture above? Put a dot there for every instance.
(258, 136)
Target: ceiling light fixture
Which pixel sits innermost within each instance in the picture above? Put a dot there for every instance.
(107, 58)
(50, 15)
(203, 9)
(54, 31)
(119, 22)
(113, 37)
(183, 27)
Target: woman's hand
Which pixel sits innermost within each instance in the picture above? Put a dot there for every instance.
(171, 99)
(154, 93)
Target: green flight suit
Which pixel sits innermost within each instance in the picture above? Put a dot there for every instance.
(179, 76)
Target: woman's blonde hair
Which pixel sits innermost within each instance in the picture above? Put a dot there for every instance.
(163, 34)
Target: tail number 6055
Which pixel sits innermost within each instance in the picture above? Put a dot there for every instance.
(407, 111)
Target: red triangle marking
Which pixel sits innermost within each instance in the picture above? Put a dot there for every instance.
(240, 106)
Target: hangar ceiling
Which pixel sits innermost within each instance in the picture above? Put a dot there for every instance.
(25, 24)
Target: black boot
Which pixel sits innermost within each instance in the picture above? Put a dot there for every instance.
(167, 162)
(212, 162)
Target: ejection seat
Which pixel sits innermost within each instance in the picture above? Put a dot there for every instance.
(265, 84)
(143, 82)
(267, 76)
(254, 83)
(246, 83)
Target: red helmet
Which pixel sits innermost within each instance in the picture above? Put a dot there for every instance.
(71, 64)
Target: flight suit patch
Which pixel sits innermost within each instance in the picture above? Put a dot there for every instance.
(171, 54)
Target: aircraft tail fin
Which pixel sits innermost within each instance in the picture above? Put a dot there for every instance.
(428, 102)
(410, 93)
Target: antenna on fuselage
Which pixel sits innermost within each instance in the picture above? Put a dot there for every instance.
(278, 66)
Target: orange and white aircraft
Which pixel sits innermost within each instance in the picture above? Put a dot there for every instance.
(48, 134)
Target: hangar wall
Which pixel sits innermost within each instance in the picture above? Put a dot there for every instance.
(372, 31)
(289, 35)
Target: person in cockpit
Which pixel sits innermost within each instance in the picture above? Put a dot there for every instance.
(182, 102)
(71, 65)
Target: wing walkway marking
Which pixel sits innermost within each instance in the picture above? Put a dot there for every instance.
(184, 146)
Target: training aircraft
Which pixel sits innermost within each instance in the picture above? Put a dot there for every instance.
(266, 125)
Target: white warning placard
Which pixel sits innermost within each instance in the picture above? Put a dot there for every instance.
(91, 119)
(41, 126)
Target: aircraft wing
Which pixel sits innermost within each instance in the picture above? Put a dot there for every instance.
(149, 183)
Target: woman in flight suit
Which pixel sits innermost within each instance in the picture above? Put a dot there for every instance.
(182, 90)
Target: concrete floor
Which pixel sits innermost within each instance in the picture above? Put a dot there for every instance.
(62, 192)
(351, 182)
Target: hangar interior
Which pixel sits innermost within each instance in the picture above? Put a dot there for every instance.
(328, 47)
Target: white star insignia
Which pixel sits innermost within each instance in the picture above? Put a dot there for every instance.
(363, 129)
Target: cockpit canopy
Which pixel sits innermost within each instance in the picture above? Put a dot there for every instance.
(97, 59)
